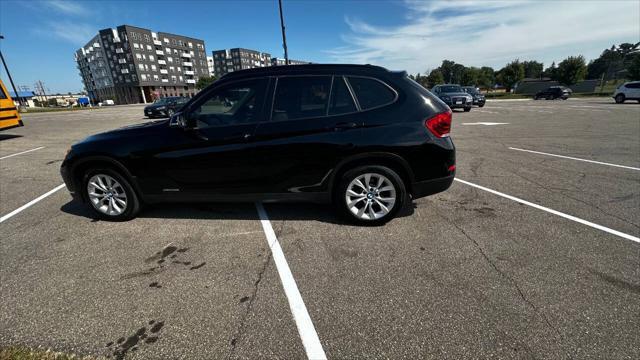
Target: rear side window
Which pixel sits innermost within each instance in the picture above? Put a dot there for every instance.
(633, 86)
(371, 93)
(301, 97)
(341, 101)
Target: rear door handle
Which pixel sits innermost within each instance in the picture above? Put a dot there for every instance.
(344, 126)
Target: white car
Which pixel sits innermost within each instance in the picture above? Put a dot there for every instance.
(627, 91)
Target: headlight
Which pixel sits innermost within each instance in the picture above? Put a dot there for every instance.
(445, 98)
(469, 98)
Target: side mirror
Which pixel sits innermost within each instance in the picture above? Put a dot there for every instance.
(182, 120)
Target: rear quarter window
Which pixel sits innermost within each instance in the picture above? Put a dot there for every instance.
(371, 93)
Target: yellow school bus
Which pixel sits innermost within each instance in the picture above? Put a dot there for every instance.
(9, 115)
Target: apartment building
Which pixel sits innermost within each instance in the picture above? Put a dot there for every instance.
(279, 62)
(132, 65)
(226, 61)
(210, 65)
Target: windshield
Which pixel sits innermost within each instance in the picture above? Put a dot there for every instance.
(160, 101)
(451, 89)
(471, 90)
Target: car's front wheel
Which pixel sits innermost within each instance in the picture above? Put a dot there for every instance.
(110, 195)
(480, 105)
(619, 98)
(467, 109)
(370, 195)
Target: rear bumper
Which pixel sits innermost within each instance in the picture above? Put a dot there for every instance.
(430, 187)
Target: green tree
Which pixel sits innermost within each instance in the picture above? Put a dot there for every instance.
(486, 77)
(571, 70)
(633, 68)
(205, 81)
(532, 69)
(446, 68)
(511, 74)
(435, 77)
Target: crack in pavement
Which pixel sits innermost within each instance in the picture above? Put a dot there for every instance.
(241, 328)
(511, 280)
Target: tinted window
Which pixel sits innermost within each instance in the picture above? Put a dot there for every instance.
(341, 101)
(370, 92)
(232, 105)
(301, 97)
(633, 86)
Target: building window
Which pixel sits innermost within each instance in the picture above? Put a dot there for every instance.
(141, 66)
(166, 41)
(138, 56)
(152, 58)
(153, 67)
(149, 47)
(143, 77)
(136, 46)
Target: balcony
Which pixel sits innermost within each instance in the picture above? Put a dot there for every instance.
(119, 51)
(125, 71)
(162, 62)
(159, 52)
(163, 71)
(188, 72)
(165, 80)
(188, 63)
(186, 55)
(190, 81)
(122, 61)
(157, 42)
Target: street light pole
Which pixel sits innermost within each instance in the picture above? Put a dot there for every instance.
(284, 37)
(9, 75)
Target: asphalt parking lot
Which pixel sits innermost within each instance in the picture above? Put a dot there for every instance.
(533, 253)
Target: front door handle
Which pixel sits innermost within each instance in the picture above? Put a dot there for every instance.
(344, 126)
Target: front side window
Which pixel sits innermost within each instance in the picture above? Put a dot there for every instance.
(301, 97)
(371, 93)
(231, 105)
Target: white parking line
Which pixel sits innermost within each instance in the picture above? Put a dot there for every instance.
(307, 332)
(20, 153)
(578, 159)
(555, 212)
(27, 205)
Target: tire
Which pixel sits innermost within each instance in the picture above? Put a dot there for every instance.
(480, 105)
(467, 109)
(549, 97)
(369, 203)
(97, 182)
(536, 97)
(619, 98)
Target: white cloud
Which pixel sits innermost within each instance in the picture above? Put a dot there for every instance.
(69, 31)
(67, 7)
(490, 33)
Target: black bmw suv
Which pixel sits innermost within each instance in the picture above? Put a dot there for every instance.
(478, 97)
(165, 107)
(360, 136)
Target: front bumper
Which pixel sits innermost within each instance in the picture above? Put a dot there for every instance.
(456, 103)
(69, 181)
(155, 113)
(430, 187)
(479, 101)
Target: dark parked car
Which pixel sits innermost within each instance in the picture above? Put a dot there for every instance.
(359, 135)
(165, 107)
(454, 96)
(553, 92)
(478, 97)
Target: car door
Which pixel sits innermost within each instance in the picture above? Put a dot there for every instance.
(216, 155)
(312, 125)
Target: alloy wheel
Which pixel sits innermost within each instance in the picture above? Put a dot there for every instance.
(107, 195)
(370, 196)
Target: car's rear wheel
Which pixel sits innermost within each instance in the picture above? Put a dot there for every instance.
(619, 98)
(370, 195)
(549, 97)
(110, 195)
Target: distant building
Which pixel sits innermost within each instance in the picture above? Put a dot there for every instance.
(25, 96)
(279, 62)
(210, 65)
(132, 65)
(226, 61)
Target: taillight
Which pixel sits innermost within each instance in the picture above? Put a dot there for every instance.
(439, 124)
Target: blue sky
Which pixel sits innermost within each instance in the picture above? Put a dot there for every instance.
(41, 36)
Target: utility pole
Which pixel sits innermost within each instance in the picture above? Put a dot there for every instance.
(9, 75)
(284, 37)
